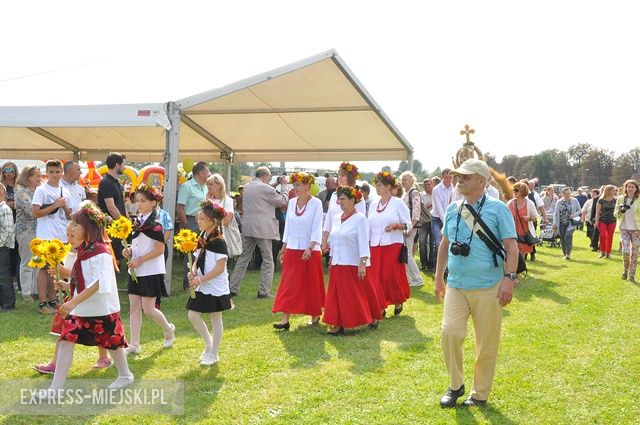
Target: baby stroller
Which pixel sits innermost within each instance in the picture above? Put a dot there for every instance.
(548, 235)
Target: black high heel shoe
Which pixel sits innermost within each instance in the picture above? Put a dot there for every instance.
(336, 333)
(374, 325)
(314, 322)
(284, 326)
(397, 310)
(384, 313)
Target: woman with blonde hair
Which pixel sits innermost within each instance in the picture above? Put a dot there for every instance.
(217, 193)
(606, 220)
(524, 214)
(26, 184)
(628, 212)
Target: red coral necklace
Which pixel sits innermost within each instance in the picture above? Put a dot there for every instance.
(378, 209)
(299, 211)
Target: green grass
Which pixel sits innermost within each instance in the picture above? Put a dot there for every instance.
(569, 354)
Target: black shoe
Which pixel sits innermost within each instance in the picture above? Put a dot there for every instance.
(284, 326)
(533, 256)
(374, 325)
(314, 322)
(264, 295)
(384, 313)
(397, 311)
(472, 402)
(232, 294)
(336, 333)
(450, 398)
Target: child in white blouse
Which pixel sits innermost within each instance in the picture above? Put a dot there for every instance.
(210, 279)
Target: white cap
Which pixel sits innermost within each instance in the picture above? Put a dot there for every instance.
(473, 166)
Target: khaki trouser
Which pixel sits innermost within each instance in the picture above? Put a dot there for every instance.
(483, 307)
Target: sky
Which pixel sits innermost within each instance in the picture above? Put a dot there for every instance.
(527, 76)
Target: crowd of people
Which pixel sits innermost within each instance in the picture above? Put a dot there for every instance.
(456, 224)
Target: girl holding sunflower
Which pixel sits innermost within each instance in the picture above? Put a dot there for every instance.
(92, 315)
(210, 279)
(347, 175)
(147, 268)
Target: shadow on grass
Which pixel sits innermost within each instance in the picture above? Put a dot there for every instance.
(201, 387)
(305, 345)
(533, 287)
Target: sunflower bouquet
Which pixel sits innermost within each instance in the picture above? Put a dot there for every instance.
(48, 253)
(186, 241)
(121, 229)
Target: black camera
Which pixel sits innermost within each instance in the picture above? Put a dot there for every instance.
(460, 248)
(624, 208)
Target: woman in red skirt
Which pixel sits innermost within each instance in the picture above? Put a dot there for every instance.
(92, 316)
(351, 298)
(301, 288)
(388, 220)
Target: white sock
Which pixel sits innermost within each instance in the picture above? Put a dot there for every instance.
(201, 327)
(63, 364)
(218, 328)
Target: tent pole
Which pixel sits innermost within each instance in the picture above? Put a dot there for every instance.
(171, 180)
(410, 161)
(228, 164)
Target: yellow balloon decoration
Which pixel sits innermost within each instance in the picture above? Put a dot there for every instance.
(315, 189)
(188, 164)
(129, 172)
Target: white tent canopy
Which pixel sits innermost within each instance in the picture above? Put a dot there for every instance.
(311, 110)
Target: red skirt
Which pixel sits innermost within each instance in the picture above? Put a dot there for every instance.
(390, 272)
(103, 331)
(347, 302)
(301, 288)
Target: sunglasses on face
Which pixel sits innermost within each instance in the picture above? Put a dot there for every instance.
(8, 170)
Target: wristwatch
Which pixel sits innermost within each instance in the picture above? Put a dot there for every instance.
(512, 276)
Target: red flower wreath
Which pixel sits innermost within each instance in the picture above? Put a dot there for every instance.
(303, 178)
(350, 192)
(151, 190)
(385, 177)
(350, 168)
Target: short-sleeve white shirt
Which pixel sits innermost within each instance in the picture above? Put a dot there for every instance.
(105, 301)
(142, 245)
(52, 226)
(219, 285)
(77, 194)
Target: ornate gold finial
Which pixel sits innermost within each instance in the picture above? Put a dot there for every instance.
(468, 149)
(467, 132)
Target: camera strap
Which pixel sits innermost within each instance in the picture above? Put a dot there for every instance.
(473, 218)
(492, 242)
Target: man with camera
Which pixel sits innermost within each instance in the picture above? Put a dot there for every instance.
(477, 231)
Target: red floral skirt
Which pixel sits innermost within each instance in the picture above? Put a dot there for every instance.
(390, 273)
(58, 320)
(103, 331)
(348, 303)
(301, 288)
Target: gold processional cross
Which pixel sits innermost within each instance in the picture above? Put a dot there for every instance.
(467, 132)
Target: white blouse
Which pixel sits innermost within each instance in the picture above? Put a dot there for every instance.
(219, 285)
(349, 240)
(396, 212)
(142, 245)
(301, 230)
(334, 209)
(105, 301)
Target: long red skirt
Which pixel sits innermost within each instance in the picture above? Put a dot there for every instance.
(390, 272)
(347, 302)
(301, 288)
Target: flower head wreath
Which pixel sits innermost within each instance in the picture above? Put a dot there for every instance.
(151, 190)
(386, 178)
(350, 168)
(94, 214)
(218, 212)
(303, 178)
(350, 192)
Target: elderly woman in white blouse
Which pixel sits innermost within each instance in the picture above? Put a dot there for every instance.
(351, 299)
(388, 220)
(301, 288)
(347, 175)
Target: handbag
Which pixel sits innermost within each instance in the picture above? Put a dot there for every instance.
(232, 237)
(527, 238)
(404, 253)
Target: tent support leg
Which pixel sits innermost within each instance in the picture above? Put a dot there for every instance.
(171, 180)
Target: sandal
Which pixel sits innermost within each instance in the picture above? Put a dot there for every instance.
(102, 363)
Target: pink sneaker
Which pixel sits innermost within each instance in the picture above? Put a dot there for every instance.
(102, 363)
(48, 369)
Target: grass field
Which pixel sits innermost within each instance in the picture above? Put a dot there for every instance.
(569, 354)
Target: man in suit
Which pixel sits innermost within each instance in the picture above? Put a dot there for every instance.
(259, 228)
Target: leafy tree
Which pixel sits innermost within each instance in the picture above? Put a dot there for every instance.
(596, 167)
(578, 152)
(509, 165)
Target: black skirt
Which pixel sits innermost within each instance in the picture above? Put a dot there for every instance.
(148, 286)
(204, 303)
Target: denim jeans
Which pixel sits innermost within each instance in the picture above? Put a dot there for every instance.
(425, 239)
(436, 235)
(7, 294)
